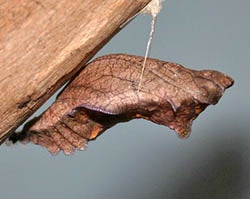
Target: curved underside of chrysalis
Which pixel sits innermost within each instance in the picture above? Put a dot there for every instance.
(105, 93)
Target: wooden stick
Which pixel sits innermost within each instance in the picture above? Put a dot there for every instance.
(44, 43)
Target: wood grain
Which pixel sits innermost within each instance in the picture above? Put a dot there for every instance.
(43, 43)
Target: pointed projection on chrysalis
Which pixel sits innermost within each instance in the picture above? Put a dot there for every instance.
(105, 93)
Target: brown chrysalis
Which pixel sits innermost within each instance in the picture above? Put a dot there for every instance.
(105, 93)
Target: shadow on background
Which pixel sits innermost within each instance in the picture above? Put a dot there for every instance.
(223, 175)
(222, 178)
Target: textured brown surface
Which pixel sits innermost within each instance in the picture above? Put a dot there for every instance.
(105, 93)
(43, 43)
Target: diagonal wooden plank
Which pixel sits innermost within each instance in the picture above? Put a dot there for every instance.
(43, 43)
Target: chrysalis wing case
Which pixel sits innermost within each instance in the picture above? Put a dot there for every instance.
(105, 93)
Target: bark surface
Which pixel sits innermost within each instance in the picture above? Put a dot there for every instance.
(43, 43)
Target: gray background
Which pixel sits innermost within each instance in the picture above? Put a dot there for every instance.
(140, 159)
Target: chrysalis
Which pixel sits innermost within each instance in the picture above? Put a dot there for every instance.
(105, 93)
